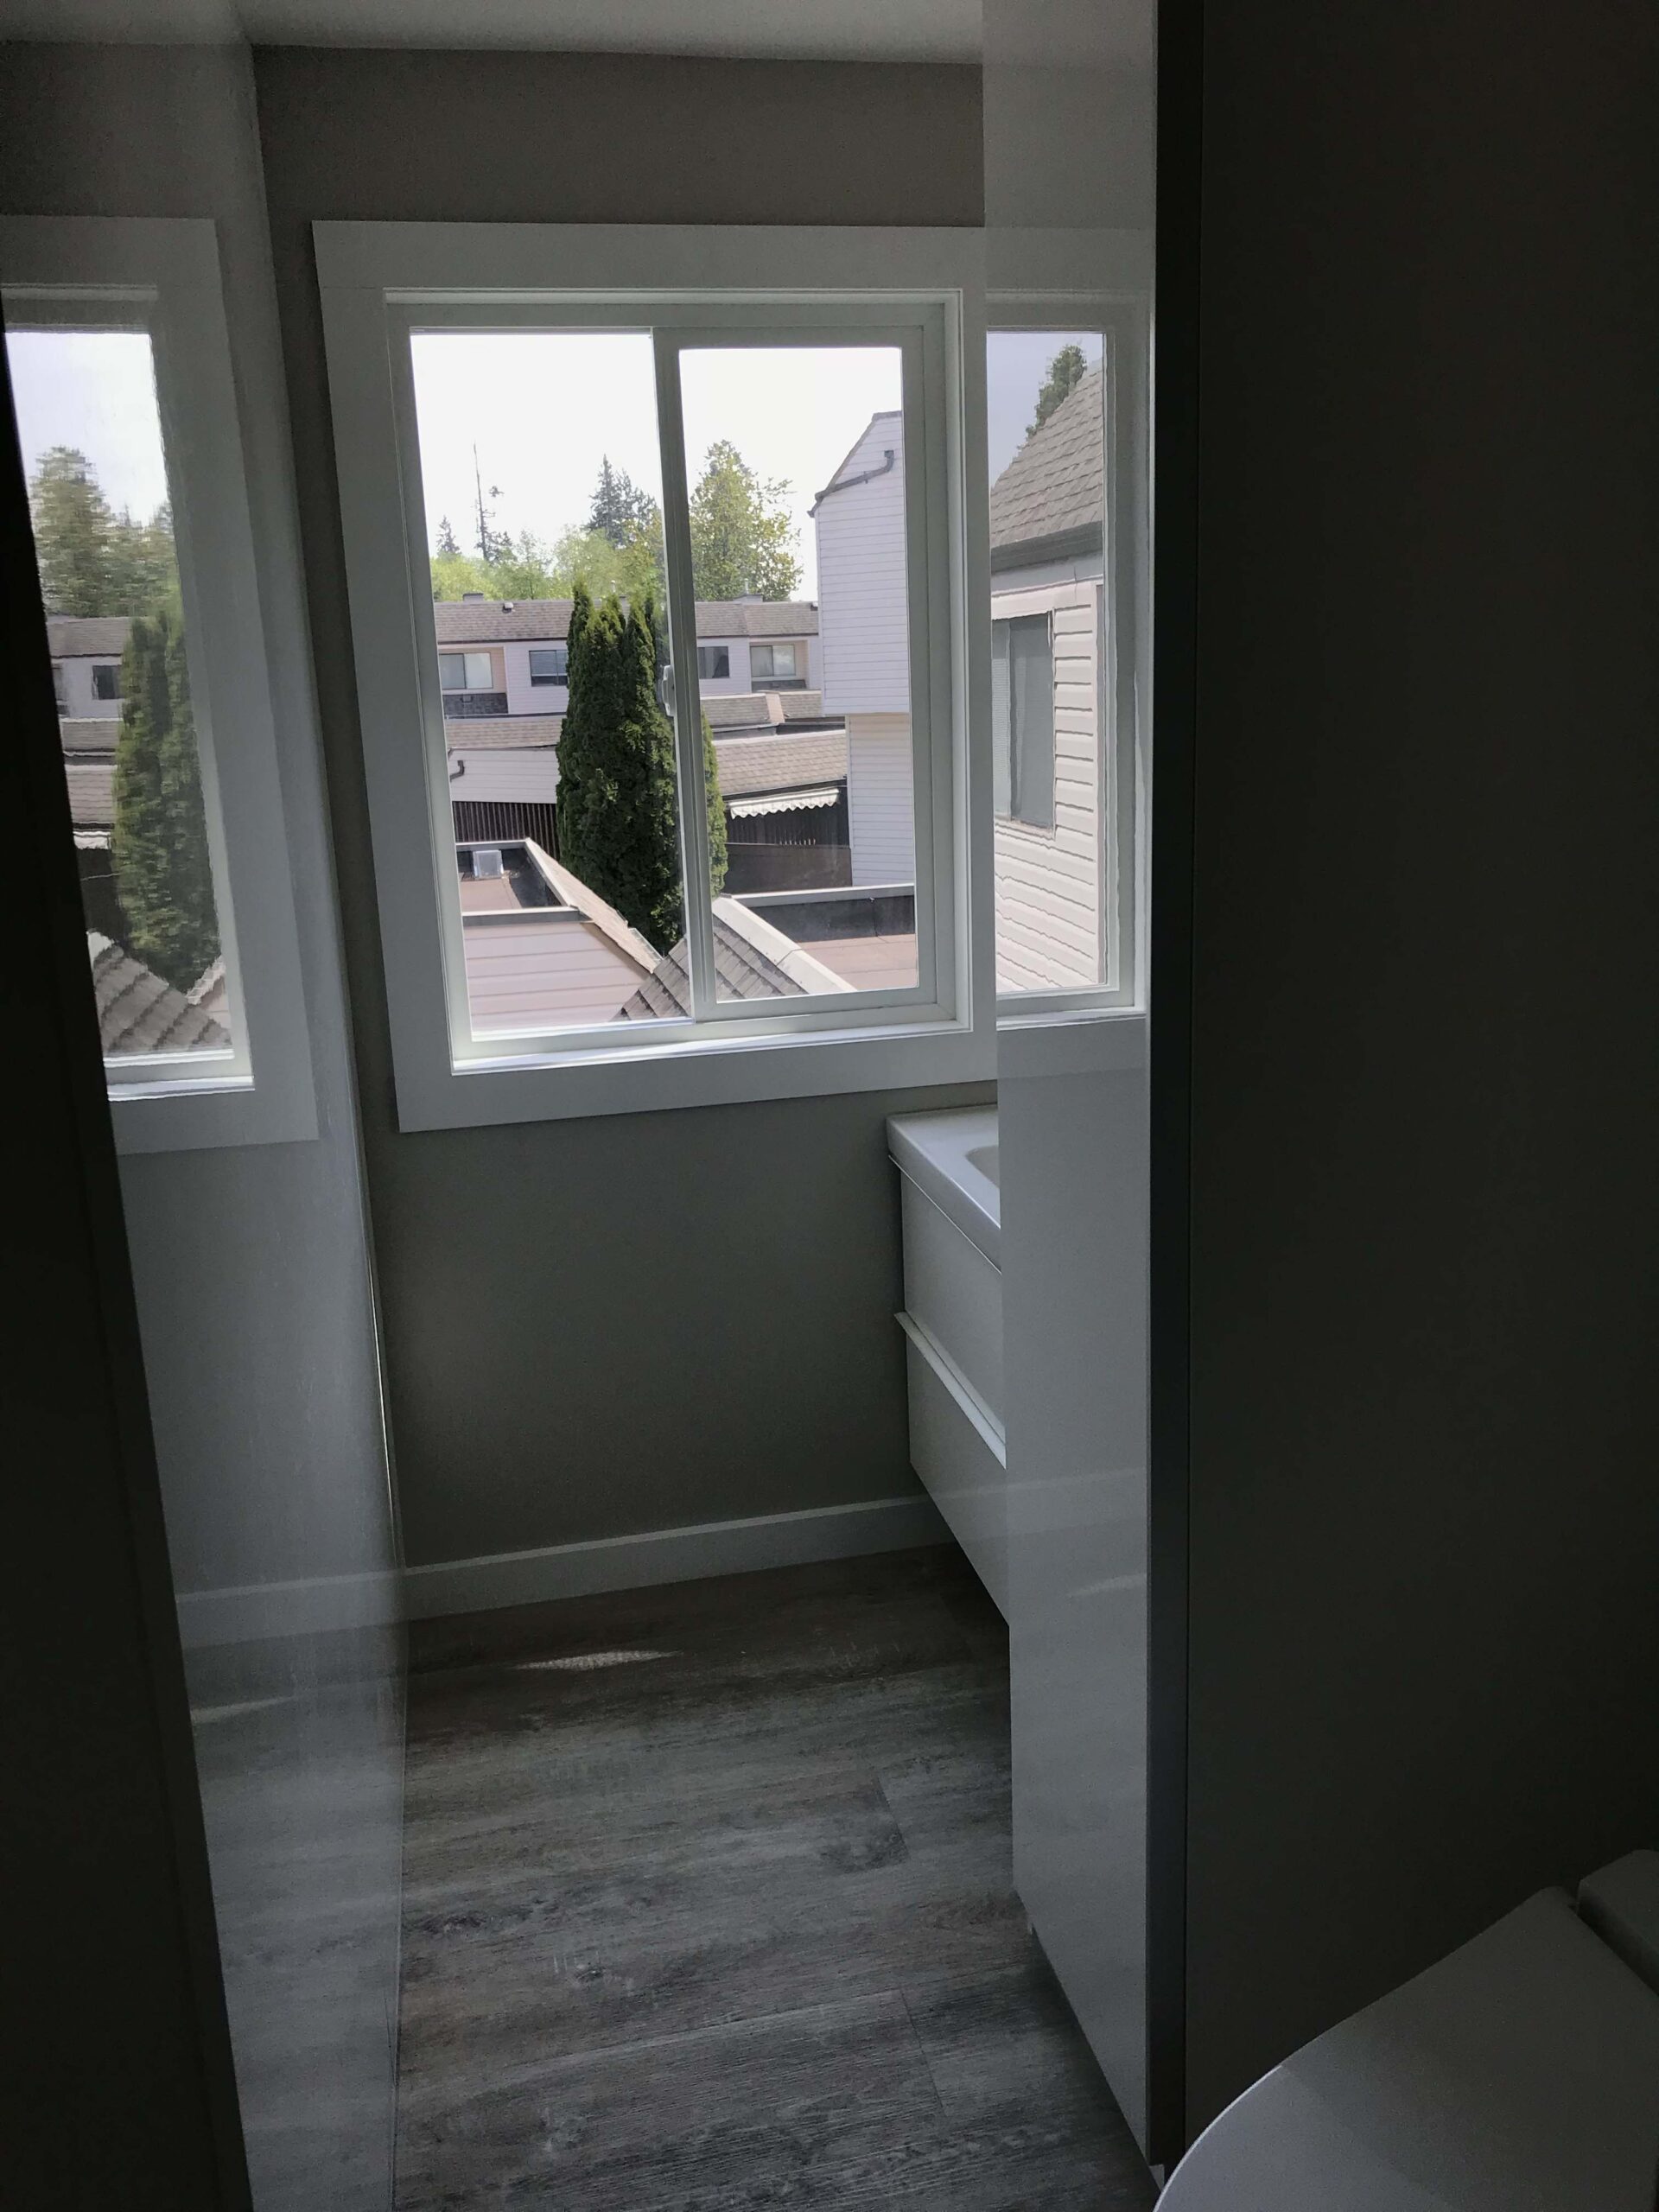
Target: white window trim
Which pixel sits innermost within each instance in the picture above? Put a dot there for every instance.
(162, 275)
(1097, 280)
(376, 279)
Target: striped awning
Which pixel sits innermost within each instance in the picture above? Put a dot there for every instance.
(785, 802)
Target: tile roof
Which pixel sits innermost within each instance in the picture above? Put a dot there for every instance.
(77, 637)
(1053, 486)
(780, 764)
(494, 621)
(139, 1012)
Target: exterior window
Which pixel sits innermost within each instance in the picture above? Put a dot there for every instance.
(1022, 720)
(126, 413)
(464, 671)
(59, 691)
(776, 665)
(718, 887)
(548, 663)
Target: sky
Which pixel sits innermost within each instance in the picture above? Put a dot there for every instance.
(93, 390)
(543, 408)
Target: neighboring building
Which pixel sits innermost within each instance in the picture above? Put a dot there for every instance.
(1047, 637)
(86, 652)
(863, 614)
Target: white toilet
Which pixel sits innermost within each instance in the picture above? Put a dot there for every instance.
(1519, 2075)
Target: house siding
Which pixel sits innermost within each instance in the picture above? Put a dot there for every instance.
(499, 772)
(80, 703)
(1048, 881)
(880, 794)
(864, 631)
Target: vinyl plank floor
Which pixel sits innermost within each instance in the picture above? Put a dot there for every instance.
(708, 1904)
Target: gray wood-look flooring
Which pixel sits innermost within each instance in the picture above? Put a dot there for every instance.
(708, 1903)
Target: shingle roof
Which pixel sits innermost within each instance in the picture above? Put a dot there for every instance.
(75, 637)
(1053, 486)
(765, 710)
(743, 971)
(92, 793)
(780, 764)
(487, 733)
(492, 622)
(89, 733)
(139, 1012)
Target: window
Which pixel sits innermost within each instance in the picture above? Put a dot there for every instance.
(465, 672)
(689, 939)
(548, 663)
(1064, 535)
(126, 412)
(776, 666)
(1022, 720)
(59, 692)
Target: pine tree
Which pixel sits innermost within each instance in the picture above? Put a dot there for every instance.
(160, 838)
(620, 511)
(446, 549)
(742, 538)
(618, 827)
(1065, 372)
(92, 560)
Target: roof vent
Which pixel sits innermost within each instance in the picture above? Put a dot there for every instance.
(486, 861)
(507, 606)
(472, 595)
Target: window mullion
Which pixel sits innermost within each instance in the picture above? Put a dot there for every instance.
(683, 657)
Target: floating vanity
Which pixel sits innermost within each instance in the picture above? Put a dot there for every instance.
(952, 1320)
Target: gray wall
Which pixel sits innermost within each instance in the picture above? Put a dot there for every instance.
(250, 1269)
(1424, 1508)
(597, 1327)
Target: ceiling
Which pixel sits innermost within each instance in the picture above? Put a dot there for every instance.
(1051, 32)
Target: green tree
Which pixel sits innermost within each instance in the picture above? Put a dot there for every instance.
(1065, 372)
(742, 538)
(446, 548)
(618, 829)
(92, 560)
(160, 839)
(620, 511)
(632, 569)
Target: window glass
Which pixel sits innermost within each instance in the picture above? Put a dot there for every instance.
(90, 433)
(542, 481)
(1051, 734)
(795, 487)
(714, 660)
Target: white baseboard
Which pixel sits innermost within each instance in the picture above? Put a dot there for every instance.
(470, 1586)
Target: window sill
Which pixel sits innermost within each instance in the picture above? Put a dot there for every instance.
(691, 1071)
(1095, 1040)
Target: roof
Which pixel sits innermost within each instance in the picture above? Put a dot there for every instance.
(92, 793)
(139, 1012)
(75, 637)
(765, 710)
(780, 764)
(494, 621)
(487, 733)
(753, 960)
(89, 733)
(1053, 487)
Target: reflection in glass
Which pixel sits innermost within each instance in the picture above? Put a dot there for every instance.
(1045, 401)
(91, 432)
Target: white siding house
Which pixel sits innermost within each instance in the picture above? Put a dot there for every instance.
(864, 642)
(1047, 614)
(86, 652)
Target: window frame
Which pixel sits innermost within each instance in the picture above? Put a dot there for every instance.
(560, 679)
(691, 289)
(161, 275)
(714, 675)
(109, 688)
(1097, 280)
